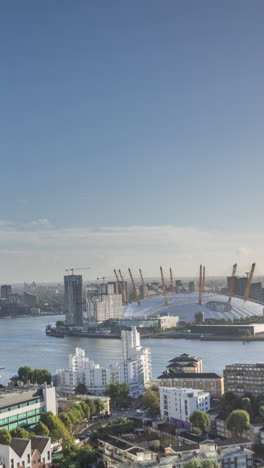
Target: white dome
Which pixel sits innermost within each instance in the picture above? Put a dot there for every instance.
(185, 305)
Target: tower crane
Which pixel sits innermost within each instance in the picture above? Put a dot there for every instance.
(144, 289)
(200, 285)
(121, 288)
(124, 287)
(75, 269)
(134, 286)
(232, 283)
(164, 287)
(248, 285)
(171, 282)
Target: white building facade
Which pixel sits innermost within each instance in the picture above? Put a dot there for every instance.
(178, 404)
(134, 369)
(103, 302)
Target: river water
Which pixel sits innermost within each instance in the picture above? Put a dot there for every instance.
(23, 342)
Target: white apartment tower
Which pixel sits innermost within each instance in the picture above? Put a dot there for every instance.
(134, 369)
(177, 404)
(103, 302)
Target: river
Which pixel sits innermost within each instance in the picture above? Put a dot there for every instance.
(23, 342)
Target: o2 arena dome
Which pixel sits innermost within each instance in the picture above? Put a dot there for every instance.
(185, 305)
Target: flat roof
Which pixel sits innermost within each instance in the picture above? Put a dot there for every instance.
(9, 399)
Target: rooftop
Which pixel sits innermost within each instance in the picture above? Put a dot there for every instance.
(174, 373)
(13, 398)
(19, 445)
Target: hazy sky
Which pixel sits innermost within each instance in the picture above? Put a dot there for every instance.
(131, 135)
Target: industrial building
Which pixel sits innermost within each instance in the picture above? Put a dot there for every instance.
(244, 378)
(228, 330)
(73, 299)
(178, 404)
(160, 322)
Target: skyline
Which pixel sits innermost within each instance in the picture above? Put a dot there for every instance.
(131, 136)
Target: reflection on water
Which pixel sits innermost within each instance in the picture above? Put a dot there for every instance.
(23, 342)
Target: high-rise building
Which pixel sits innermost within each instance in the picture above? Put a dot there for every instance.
(30, 300)
(73, 300)
(6, 291)
(103, 302)
(191, 286)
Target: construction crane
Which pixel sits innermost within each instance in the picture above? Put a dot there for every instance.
(164, 287)
(249, 281)
(120, 287)
(171, 282)
(144, 289)
(104, 278)
(203, 284)
(200, 285)
(134, 286)
(75, 269)
(124, 287)
(232, 283)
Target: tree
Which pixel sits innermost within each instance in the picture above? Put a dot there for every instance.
(200, 419)
(99, 405)
(81, 389)
(5, 437)
(24, 374)
(41, 429)
(57, 430)
(261, 411)
(66, 421)
(238, 421)
(201, 463)
(91, 405)
(197, 431)
(152, 401)
(119, 393)
(246, 405)
(85, 456)
(39, 376)
(227, 401)
(20, 432)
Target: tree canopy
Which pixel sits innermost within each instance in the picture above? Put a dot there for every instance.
(119, 393)
(238, 421)
(201, 463)
(81, 389)
(200, 419)
(152, 400)
(39, 376)
(5, 437)
(20, 432)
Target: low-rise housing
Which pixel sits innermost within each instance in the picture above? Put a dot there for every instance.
(24, 453)
(24, 407)
(115, 451)
(178, 404)
(253, 433)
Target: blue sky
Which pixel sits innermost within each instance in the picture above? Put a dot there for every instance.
(143, 117)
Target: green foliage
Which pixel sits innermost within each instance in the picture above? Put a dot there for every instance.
(119, 393)
(5, 437)
(78, 457)
(39, 376)
(197, 431)
(91, 405)
(20, 432)
(58, 432)
(238, 421)
(201, 463)
(99, 405)
(41, 429)
(81, 389)
(66, 421)
(261, 411)
(200, 419)
(246, 405)
(152, 400)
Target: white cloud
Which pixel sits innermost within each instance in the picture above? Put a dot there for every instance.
(36, 252)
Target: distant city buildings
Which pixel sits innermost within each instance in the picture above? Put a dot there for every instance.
(134, 369)
(103, 302)
(73, 300)
(191, 286)
(244, 378)
(6, 291)
(30, 300)
(178, 404)
(256, 290)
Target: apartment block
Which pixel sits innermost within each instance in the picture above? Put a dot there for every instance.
(206, 381)
(178, 404)
(242, 378)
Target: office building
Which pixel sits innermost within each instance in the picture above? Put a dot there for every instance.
(134, 369)
(6, 291)
(23, 408)
(186, 363)
(26, 453)
(73, 300)
(244, 378)
(191, 286)
(103, 302)
(178, 404)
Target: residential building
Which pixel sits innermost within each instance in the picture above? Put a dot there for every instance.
(103, 302)
(23, 408)
(115, 451)
(186, 363)
(73, 300)
(226, 457)
(134, 369)
(253, 433)
(26, 453)
(178, 404)
(206, 381)
(6, 291)
(242, 378)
